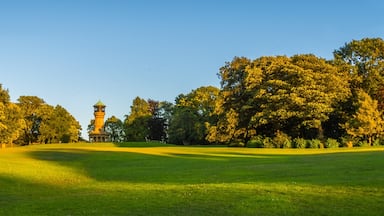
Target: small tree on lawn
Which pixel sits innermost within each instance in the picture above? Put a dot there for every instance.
(367, 123)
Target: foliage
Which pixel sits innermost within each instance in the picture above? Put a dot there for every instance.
(331, 143)
(29, 107)
(10, 119)
(348, 141)
(139, 108)
(156, 126)
(281, 140)
(115, 128)
(157, 123)
(270, 98)
(232, 105)
(31, 120)
(377, 142)
(4, 95)
(91, 126)
(136, 123)
(363, 143)
(268, 142)
(366, 61)
(57, 125)
(367, 124)
(256, 142)
(299, 143)
(145, 122)
(273, 94)
(192, 116)
(314, 143)
(185, 127)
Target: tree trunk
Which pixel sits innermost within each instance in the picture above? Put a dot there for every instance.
(320, 134)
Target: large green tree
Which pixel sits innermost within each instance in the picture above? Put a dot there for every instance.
(47, 133)
(367, 124)
(365, 61)
(11, 120)
(193, 113)
(157, 123)
(57, 125)
(115, 128)
(270, 94)
(136, 123)
(232, 100)
(29, 106)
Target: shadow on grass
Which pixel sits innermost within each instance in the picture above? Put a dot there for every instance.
(347, 169)
(142, 144)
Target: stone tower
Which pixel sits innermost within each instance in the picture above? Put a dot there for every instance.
(98, 134)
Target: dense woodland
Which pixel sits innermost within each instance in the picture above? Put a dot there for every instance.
(272, 101)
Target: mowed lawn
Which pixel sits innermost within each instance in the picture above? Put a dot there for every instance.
(159, 179)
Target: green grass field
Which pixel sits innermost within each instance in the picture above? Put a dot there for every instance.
(157, 179)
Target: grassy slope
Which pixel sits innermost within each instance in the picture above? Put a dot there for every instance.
(102, 179)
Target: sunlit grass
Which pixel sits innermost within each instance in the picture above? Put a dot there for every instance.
(160, 179)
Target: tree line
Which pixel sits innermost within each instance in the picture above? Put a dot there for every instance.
(31, 120)
(271, 101)
(274, 101)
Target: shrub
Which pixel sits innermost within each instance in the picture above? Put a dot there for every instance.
(314, 143)
(281, 140)
(268, 143)
(377, 142)
(288, 144)
(362, 144)
(348, 142)
(299, 143)
(331, 143)
(255, 142)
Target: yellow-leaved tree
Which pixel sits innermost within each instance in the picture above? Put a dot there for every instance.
(11, 121)
(367, 124)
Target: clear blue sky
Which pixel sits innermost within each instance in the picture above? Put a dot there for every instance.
(74, 53)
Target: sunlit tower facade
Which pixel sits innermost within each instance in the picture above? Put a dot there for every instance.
(98, 134)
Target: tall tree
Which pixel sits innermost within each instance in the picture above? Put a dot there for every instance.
(232, 100)
(136, 123)
(115, 128)
(4, 99)
(58, 125)
(156, 123)
(29, 106)
(4, 95)
(277, 94)
(11, 120)
(185, 127)
(91, 126)
(193, 113)
(166, 111)
(14, 122)
(47, 133)
(365, 58)
(367, 124)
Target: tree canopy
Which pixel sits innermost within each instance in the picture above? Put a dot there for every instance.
(31, 120)
(276, 99)
(281, 97)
